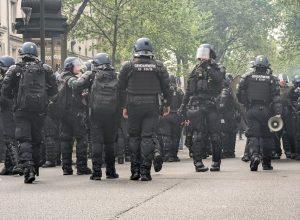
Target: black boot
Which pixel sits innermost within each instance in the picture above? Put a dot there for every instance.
(96, 175)
(120, 160)
(266, 164)
(199, 166)
(145, 173)
(18, 170)
(288, 154)
(111, 173)
(135, 176)
(246, 158)
(255, 161)
(215, 166)
(157, 162)
(84, 170)
(49, 164)
(146, 177)
(6, 171)
(29, 173)
(58, 162)
(67, 170)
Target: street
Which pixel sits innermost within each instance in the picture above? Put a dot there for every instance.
(177, 192)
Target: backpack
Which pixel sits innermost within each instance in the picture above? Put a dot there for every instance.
(32, 92)
(104, 93)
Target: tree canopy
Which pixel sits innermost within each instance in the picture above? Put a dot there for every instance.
(238, 30)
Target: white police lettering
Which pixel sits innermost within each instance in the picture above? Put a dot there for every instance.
(261, 77)
(145, 67)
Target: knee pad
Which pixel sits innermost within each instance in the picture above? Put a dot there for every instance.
(215, 139)
(147, 147)
(134, 144)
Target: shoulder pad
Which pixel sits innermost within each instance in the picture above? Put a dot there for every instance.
(47, 67)
(127, 64)
(247, 74)
(159, 63)
(12, 68)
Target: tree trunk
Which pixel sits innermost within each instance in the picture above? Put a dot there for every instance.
(64, 48)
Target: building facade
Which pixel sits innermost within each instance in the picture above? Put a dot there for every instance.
(10, 41)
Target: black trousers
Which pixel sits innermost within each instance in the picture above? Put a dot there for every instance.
(229, 130)
(122, 142)
(28, 133)
(170, 133)
(142, 126)
(260, 139)
(73, 128)
(11, 147)
(206, 124)
(103, 137)
(51, 139)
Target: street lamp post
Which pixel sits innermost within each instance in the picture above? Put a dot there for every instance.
(42, 30)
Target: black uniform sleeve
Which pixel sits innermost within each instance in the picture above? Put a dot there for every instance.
(241, 90)
(51, 81)
(165, 83)
(123, 81)
(190, 89)
(275, 94)
(218, 73)
(83, 82)
(10, 83)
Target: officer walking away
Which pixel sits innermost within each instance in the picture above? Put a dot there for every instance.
(259, 92)
(229, 127)
(294, 97)
(11, 163)
(170, 126)
(30, 83)
(104, 112)
(141, 80)
(73, 123)
(202, 108)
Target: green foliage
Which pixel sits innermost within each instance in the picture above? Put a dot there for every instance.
(239, 30)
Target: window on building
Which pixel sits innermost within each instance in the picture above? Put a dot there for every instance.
(13, 14)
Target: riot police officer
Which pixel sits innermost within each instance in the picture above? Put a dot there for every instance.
(11, 164)
(230, 126)
(287, 130)
(170, 125)
(104, 112)
(294, 97)
(258, 91)
(30, 83)
(141, 80)
(73, 123)
(201, 106)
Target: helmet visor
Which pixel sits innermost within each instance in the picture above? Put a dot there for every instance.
(203, 53)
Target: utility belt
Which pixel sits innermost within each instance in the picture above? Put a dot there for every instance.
(259, 102)
(200, 102)
(142, 99)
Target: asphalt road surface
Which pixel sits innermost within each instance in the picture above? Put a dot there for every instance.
(177, 192)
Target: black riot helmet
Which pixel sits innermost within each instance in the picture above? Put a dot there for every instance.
(6, 62)
(296, 80)
(71, 62)
(29, 50)
(101, 59)
(88, 65)
(205, 52)
(143, 48)
(261, 62)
